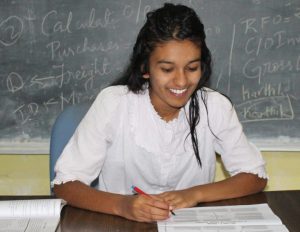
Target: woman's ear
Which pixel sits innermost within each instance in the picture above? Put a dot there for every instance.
(145, 72)
(146, 75)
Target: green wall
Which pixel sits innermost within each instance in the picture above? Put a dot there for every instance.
(29, 174)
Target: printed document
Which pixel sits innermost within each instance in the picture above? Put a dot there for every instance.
(240, 218)
(40, 215)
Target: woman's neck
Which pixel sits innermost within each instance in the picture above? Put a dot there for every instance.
(168, 116)
(165, 111)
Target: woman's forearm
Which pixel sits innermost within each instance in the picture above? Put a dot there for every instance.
(236, 186)
(82, 196)
(137, 208)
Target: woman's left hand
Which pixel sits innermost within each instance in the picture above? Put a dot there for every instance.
(179, 198)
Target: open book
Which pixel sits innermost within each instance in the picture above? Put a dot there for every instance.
(40, 215)
(240, 218)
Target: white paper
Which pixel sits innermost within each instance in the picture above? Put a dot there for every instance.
(40, 215)
(246, 218)
(233, 228)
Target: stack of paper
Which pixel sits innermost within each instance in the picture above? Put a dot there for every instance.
(41, 215)
(241, 218)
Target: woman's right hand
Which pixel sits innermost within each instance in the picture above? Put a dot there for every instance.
(143, 208)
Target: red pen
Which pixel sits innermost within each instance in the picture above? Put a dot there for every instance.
(139, 191)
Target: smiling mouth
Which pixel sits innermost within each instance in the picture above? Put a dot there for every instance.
(178, 91)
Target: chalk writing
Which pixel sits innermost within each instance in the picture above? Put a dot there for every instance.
(254, 45)
(142, 12)
(14, 82)
(94, 23)
(51, 25)
(267, 90)
(253, 71)
(58, 26)
(266, 109)
(58, 54)
(11, 30)
(254, 25)
(26, 112)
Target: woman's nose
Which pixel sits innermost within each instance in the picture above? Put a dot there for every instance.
(180, 79)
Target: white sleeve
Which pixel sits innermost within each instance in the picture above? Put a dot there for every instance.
(238, 155)
(82, 158)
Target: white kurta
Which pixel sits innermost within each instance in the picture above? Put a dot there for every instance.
(123, 141)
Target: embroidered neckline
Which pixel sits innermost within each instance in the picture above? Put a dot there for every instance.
(141, 113)
(158, 117)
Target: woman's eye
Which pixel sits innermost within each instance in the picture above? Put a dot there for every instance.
(193, 69)
(167, 70)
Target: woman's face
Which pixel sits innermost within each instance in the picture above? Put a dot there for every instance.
(174, 73)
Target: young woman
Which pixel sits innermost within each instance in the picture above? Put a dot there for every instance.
(159, 128)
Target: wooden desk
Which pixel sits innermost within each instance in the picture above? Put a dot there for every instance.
(285, 204)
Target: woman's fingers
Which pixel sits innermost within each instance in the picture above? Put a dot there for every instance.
(146, 209)
(178, 199)
(157, 208)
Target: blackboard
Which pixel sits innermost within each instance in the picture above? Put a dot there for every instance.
(58, 53)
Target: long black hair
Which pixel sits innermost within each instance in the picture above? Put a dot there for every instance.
(170, 22)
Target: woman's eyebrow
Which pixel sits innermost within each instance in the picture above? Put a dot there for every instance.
(195, 60)
(170, 62)
(165, 62)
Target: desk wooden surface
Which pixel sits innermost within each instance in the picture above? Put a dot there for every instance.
(285, 204)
